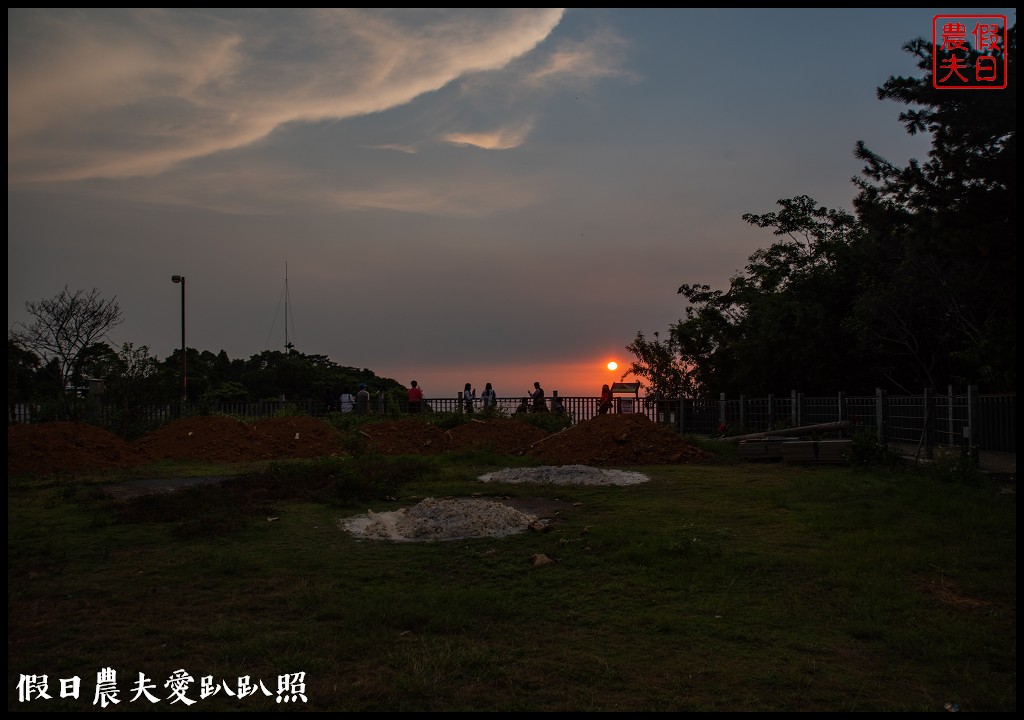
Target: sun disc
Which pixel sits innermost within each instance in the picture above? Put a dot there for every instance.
(612, 365)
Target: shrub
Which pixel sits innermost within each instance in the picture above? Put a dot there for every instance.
(955, 469)
(866, 450)
(551, 422)
(449, 420)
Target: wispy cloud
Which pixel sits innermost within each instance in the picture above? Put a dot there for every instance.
(407, 149)
(597, 57)
(499, 139)
(452, 199)
(256, 188)
(116, 93)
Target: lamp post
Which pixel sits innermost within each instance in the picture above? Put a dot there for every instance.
(184, 366)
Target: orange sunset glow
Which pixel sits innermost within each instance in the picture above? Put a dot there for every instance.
(582, 378)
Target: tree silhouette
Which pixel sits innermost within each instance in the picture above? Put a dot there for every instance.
(64, 328)
(944, 231)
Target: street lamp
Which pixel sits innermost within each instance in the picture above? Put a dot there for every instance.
(184, 367)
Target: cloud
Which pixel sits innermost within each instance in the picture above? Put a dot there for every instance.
(501, 139)
(597, 57)
(407, 149)
(119, 93)
(260, 189)
(267, 112)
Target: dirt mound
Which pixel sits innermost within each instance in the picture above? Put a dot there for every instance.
(298, 437)
(617, 440)
(224, 439)
(405, 437)
(211, 438)
(412, 437)
(51, 447)
(606, 440)
(505, 437)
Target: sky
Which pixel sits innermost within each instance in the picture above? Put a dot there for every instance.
(451, 196)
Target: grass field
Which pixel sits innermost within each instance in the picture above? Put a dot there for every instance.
(720, 587)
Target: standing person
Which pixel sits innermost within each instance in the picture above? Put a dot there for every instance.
(362, 400)
(468, 395)
(490, 397)
(605, 404)
(537, 395)
(415, 397)
(347, 402)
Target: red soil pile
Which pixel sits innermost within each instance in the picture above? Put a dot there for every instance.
(606, 440)
(224, 439)
(47, 448)
(404, 437)
(505, 437)
(411, 437)
(617, 440)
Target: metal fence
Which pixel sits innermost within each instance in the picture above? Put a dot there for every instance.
(985, 422)
(952, 419)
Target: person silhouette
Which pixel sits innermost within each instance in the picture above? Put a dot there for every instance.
(490, 397)
(415, 395)
(347, 402)
(537, 395)
(362, 400)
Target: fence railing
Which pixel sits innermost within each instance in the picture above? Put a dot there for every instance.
(984, 422)
(950, 419)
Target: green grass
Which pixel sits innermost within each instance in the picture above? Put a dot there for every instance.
(719, 587)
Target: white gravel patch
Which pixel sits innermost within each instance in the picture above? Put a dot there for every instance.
(445, 519)
(461, 518)
(565, 475)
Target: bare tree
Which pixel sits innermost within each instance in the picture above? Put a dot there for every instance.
(64, 327)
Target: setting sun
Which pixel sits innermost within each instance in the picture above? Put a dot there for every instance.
(612, 365)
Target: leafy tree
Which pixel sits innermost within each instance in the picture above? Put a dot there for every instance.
(64, 329)
(203, 373)
(225, 369)
(796, 295)
(943, 302)
(273, 374)
(778, 326)
(658, 362)
(132, 384)
(206, 372)
(22, 368)
(229, 391)
(918, 289)
(96, 361)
